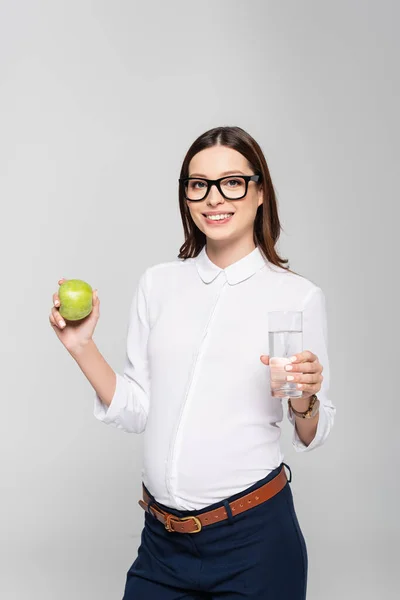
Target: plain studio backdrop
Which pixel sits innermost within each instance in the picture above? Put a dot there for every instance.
(99, 103)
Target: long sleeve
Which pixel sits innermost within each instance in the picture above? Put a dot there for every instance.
(315, 338)
(130, 404)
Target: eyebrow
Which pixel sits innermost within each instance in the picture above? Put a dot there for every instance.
(222, 174)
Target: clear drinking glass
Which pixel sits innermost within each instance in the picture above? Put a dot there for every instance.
(285, 331)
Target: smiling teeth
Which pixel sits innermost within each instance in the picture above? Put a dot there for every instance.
(219, 217)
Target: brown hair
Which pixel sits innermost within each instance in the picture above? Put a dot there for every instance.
(267, 226)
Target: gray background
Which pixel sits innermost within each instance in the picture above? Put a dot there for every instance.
(99, 103)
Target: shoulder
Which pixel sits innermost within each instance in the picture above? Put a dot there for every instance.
(292, 283)
(160, 274)
(173, 267)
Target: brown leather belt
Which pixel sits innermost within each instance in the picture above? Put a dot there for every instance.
(195, 524)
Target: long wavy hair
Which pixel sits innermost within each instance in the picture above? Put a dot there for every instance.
(267, 227)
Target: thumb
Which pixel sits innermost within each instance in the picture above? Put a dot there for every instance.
(264, 359)
(96, 302)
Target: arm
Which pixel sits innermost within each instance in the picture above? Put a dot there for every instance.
(306, 428)
(97, 370)
(123, 400)
(311, 433)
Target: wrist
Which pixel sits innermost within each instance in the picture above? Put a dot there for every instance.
(309, 412)
(81, 348)
(300, 404)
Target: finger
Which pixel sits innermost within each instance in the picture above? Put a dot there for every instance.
(57, 318)
(305, 356)
(312, 388)
(308, 378)
(264, 359)
(56, 298)
(96, 303)
(53, 321)
(304, 367)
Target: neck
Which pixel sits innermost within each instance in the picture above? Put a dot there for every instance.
(225, 253)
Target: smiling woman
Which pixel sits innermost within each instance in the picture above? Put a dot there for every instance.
(195, 382)
(212, 455)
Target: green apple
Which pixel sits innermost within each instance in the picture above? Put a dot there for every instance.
(75, 299)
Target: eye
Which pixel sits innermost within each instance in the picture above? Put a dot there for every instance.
(195, 184)
(233, 183)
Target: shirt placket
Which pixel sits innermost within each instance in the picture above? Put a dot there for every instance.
(172, 463)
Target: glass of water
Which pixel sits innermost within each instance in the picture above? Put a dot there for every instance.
(285, 331)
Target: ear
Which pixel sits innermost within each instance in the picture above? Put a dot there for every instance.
(260, 196)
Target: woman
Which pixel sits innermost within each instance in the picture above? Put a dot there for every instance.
(220, 520)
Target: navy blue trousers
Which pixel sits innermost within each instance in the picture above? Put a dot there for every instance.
(259, 554)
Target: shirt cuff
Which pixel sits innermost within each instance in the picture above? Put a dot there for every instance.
(125, 410)
(109, 414)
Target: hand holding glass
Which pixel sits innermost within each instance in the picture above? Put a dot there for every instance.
(285, 331)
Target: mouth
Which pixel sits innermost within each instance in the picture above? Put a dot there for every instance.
(218, 218)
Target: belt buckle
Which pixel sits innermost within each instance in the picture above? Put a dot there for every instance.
(195, 519)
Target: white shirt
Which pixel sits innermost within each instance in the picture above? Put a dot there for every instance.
(193, 381)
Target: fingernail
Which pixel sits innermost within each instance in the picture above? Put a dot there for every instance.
(288, 367)
(299, 385)
(56, 303)
(290, 377)
(62, 323)
(293, 359)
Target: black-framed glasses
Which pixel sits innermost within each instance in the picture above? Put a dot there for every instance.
(233, 187)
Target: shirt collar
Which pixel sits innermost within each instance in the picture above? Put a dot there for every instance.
(236, 272)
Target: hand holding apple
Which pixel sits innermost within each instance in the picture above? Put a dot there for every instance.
(79, 305)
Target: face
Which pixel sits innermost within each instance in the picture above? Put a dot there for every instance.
(213, 163)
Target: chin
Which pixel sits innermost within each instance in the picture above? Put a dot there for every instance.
(216, 233)
(222, 237)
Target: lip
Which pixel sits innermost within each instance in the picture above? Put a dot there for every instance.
(219, 222)
(220, 212)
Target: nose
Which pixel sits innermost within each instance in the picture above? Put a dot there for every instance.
(214, 197)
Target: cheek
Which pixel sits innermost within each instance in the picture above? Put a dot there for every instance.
(248, 212)
(254, 206)
(197, 218)
(195, 215)
(191, 213)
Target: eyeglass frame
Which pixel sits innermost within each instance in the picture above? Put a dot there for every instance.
(217, 183)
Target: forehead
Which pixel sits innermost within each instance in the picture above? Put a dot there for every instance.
(212, 162)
